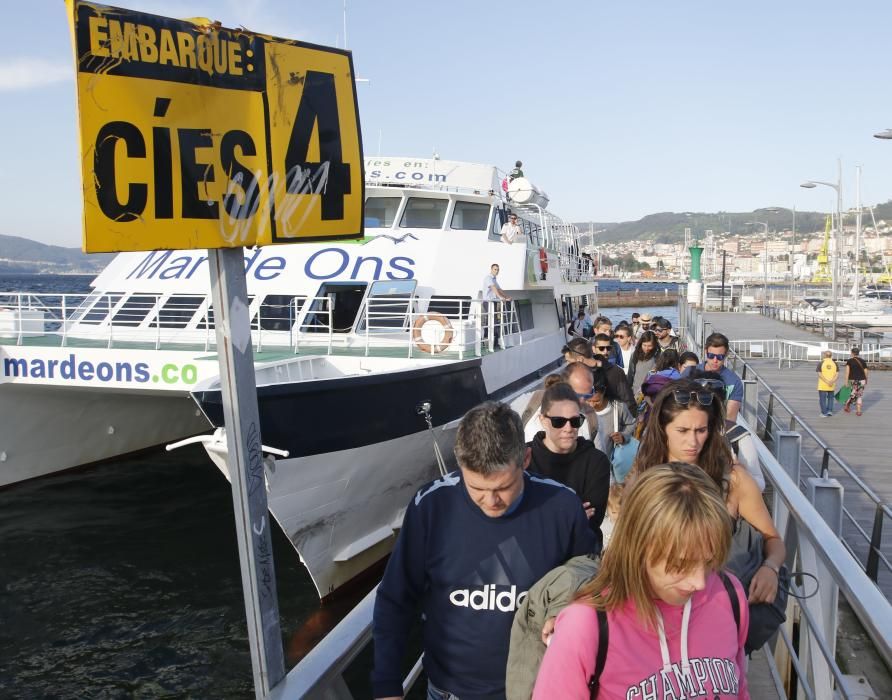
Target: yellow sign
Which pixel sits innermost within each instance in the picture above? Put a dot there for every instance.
(197, 136)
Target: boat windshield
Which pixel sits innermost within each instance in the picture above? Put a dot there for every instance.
(424, 212)
(380, 212)
(471, 216)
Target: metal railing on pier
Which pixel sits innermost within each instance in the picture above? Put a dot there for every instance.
(769, 412)
(808, 509)
(845, 332)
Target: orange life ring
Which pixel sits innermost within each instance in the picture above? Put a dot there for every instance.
(418, 339)
(543, 261)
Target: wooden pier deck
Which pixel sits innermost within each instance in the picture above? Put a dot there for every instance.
(864, 442)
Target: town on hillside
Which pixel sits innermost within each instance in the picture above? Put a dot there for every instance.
(748, 252)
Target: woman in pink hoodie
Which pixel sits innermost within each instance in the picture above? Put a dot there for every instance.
(659, 620)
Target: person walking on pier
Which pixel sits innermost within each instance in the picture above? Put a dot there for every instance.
(827, 376)
(688, 425)
(856, 376)
(471, 545)
(660, 612)
(558, 452)
(717, 345)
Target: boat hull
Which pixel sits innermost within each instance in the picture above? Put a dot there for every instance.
(341, 494)
(47, 429)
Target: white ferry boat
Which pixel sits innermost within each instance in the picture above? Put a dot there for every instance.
(349, 340)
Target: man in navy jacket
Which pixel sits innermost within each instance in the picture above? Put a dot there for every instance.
(472, 544)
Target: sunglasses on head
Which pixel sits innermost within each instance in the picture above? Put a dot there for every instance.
(561, 421)
(683, 398)
(716, 355)
(712, 384)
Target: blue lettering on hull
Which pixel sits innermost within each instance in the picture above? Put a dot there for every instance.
(324, 264)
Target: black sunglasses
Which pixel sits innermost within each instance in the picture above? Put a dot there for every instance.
(683, 398)
(712, 384)
(603, 348)
(560, 421)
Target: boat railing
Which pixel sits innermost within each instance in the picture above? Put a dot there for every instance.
(278, 323)
(770, 413)
(801, 318)
(809, 507)
(786, 352)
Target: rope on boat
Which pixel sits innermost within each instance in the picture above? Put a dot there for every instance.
(424, 409)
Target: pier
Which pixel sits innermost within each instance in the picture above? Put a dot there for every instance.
(855, 450)
(637, 298)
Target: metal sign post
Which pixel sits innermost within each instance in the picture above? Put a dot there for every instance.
(245, 462)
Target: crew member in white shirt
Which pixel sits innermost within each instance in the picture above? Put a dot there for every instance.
(511, 231)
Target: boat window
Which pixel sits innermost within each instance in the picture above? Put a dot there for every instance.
(134, 310)
(451, 307)
(387, 304)
(495, 230)
(177, 311)
(524, 308)
(336, 303)
(424, 212)
(380, 212)
(471, 216)
(278, 312)
(209, 316)
(101, 308)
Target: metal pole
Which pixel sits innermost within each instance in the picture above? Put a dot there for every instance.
(835, 276)
(857, 234)
(792, 255)
(246, 469)
(765, 283)
(724, 257)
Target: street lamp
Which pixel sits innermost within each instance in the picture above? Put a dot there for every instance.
(765, 282)
(834, 278)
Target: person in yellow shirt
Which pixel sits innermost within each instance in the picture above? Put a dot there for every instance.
(827, 376)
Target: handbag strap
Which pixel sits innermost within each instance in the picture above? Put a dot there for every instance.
(594, 683)
(615, 417)
(732, 594)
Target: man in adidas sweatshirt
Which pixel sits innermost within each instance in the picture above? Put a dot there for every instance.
(471, 545)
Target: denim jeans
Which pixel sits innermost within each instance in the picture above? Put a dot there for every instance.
(434, 693)
(826, 399)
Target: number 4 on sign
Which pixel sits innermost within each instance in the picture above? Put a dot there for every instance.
(331, 176)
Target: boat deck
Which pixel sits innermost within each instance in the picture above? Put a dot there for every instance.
(864, 442)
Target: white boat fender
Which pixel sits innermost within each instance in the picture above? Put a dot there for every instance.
(218, 440)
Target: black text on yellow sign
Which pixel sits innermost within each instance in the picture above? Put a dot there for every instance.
(205, 137)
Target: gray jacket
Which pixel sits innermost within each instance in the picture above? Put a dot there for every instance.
(548, 596)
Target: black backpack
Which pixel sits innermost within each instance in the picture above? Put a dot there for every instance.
(594, 682)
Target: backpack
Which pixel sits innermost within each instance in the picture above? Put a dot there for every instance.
(594, 682)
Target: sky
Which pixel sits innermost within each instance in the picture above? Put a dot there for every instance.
(617, 109)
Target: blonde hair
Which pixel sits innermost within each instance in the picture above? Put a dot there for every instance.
(674, 513)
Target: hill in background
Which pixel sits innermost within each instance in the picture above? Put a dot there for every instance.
(24, 255)
(668, 227)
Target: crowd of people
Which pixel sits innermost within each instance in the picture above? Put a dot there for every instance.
(621, 505)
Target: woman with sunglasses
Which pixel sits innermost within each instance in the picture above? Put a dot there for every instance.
(560, 454)
(687, 425)
(658, 614)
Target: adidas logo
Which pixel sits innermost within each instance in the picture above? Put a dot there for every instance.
(486, 598)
